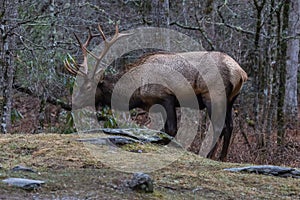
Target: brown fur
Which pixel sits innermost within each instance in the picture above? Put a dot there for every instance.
(232, 74)
(143, 59)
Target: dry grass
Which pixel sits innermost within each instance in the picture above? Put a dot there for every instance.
(44, 151)
(72, 172)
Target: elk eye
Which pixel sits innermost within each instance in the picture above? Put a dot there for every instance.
(88, 87)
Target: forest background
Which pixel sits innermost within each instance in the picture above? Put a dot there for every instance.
(262, 36)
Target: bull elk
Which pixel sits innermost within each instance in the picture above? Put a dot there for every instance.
(231, 73)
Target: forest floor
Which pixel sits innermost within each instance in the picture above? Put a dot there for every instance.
(241, 151)
(72, 172)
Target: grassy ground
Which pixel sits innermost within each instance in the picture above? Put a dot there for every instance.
(72, 171)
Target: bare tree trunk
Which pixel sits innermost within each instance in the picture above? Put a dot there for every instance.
(282, 45)
(271, 99)
(2, 64)
(8, 43)
(167, 12)
(53, 41)
(292, 62)
(258, 73)
(184, 12)
(167, 15)
(156, 14)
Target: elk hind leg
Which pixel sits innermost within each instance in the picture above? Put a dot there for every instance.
(227, 132)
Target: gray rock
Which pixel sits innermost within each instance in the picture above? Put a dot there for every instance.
(22, 168)
(119, 140)
(116, 140)
(143, 135)
(98, 141)
(27, 184)
(141, 182)
(268, 170)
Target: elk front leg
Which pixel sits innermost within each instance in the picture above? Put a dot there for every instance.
(171, 118)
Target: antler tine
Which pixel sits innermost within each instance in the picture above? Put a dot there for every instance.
(71, 68)
(78, 40)
(108, 44)
(90, 37)
(85, 51)
(101, 32)
(86, 44)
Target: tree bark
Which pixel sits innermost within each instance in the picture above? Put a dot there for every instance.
(282, 45)
(8, 44)
(257, 71)
(271, 97)
(292, 62)
(2, 64)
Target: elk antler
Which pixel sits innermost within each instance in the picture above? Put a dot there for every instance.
(74, 68)
(107, 45)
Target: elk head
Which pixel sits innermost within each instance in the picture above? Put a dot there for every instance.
(91, 76)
